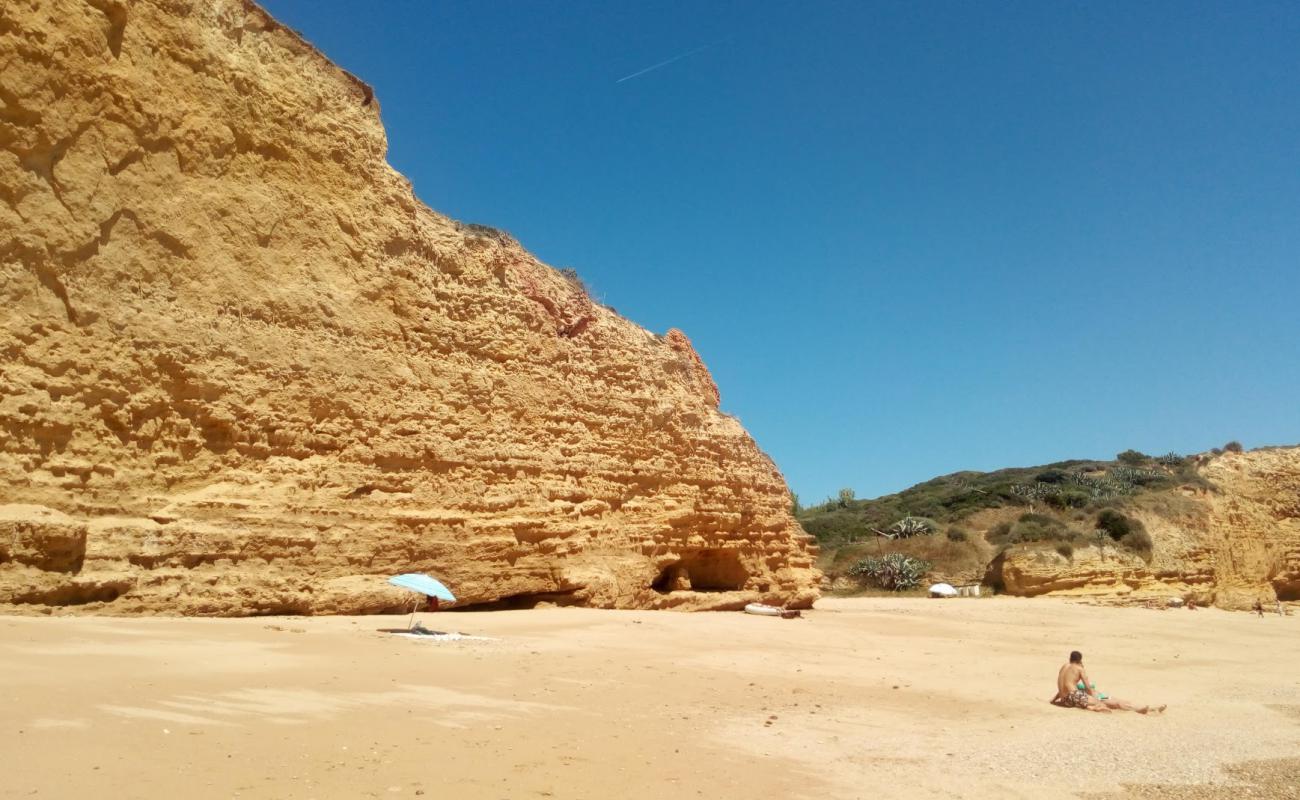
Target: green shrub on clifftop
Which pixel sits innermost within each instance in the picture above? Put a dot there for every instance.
(1116, 525)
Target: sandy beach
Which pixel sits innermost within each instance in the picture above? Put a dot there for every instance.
(871, 697)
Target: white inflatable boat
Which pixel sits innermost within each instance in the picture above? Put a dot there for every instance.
(770, 611)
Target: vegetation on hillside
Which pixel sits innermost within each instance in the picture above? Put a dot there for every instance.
(957, 523)
(944, 502)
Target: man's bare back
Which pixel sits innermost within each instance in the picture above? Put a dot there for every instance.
(1068, 679)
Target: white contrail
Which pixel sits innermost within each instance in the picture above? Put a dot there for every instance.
(654, 67)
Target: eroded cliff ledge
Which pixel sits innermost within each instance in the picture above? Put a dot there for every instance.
(245, 371)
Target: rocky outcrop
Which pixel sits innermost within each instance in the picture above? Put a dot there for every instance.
(1254, 526)
(1231, 546)
(243, 370)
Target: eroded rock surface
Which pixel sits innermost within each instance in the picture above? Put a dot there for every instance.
(1229, 547)
(245, 371)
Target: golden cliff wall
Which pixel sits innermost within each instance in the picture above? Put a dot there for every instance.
(243, 370)
(1228, 547)
(1255, 526)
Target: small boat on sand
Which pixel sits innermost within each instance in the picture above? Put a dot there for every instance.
(764, 610)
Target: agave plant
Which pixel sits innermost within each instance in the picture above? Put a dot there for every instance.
(894, 571)
(1101, 488)
(1134, 475)
(1037, 491)
(912, 526)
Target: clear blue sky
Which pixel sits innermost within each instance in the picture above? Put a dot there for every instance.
(907, 238)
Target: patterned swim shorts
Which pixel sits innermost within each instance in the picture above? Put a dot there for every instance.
(1079, 699)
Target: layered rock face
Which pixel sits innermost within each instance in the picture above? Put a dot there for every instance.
(1255, 526)
(245, 371)
(1229, 547)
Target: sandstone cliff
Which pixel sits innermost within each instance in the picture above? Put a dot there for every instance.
(1228, 546)
(243, 370)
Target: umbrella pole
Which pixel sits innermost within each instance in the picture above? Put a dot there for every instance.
(414, 608)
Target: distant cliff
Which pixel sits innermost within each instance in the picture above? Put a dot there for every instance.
(1222, 528)
(243, 370)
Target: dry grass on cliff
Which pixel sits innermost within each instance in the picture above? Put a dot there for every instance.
(1169, 505)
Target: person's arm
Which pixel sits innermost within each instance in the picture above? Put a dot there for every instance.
(1087, 682)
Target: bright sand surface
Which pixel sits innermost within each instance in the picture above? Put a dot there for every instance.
(862, 698)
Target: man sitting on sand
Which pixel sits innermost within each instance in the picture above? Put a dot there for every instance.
(1075, 690)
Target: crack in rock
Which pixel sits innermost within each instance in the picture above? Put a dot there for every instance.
(116, 15)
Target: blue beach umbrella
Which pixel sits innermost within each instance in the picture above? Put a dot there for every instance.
(419, 582)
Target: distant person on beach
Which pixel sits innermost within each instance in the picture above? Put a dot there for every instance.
(1075, 690)
(1258, 608)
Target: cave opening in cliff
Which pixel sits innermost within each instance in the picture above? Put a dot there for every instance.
(993, 577)
(670, 578)
(525, 600)
(1287, 591)
(77, 594)
(715, 570)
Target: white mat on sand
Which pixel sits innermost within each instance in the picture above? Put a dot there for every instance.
(444, 637)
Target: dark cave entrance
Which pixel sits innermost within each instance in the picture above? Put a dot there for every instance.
(714, 570)
(1288, 591)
